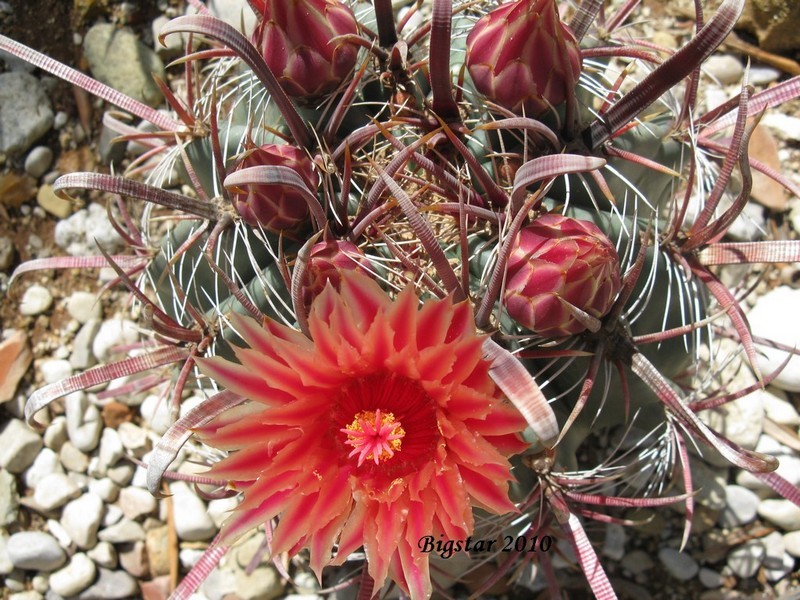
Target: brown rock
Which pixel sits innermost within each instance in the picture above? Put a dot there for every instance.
(48, 200)
(15, 358)
(766, 191)
(774, 23)
(157, 543)
(115, 413)
(133, 558)
(16, 189)
(157, 589)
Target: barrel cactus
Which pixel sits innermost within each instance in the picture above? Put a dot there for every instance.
(434, 251)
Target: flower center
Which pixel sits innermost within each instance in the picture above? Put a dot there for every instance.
(374, 436)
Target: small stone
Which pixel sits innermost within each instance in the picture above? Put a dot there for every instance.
(191, 516)
(75, 577)
(133, 438)
(35, 550)
(60, 120)
(9, 499)
(25, 113)
(189, 557)
(81, 518)
(761, 75)
(113, 515)
(783, 513)
(112, 333)
(133, 558)
(710, 578)
(84, 306)
(263, 583)
(55, 370)
(85, 231)
(38, 161)
(111, 585)
(46, 463)
(745, 560)
(122, 473)
(115, 413)
(57, 531)
(111, 449)
(29, 595)
(791, 543)
(725, 68)
(72, 458)
(219, 583)
(614, 544)
(19, 446)
(52, 203)
(82, 356)
(783, 126)
(6, 566)
(117, 58)
(84, 424)
(306, 583)
(780, 410)
(56, 433)
(247, 550)
(157, 544)
(36, 300)
(776, 572)
(767, 320)
(105, 488)
(679, 565)
(6, 253)
(40, 583)
(55, 490)
(155, 412)
(104, 555)
(122, 532)
(136, 502)
(741, 506)
(159, 589)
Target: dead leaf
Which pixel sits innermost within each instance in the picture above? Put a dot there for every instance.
(15, 358)
(766, 191)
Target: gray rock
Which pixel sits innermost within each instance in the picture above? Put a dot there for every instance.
(36, 300)
(25, 113)
(122, 532)
(679, 565)
(114, 332)
(745, 560)
(82, 356)
(779, 571)
(192, 521)
(84, 423)
(38, 161)
(9, 499)
(710, 578)
(35, 550)
(81, 518)
(614, 544)
(783, 513)
(741, 506)
(117, 58)
(19, 446)
(60, 120)
(75, 577)
(89, 227)
(768, 320)
(55, 490)
(84, 306)
(111, 585)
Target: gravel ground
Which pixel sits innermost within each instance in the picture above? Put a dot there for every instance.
(75, 517)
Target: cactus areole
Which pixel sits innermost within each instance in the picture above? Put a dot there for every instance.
(522, 57)
(559, 264)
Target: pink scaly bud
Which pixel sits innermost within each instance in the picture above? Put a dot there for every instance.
(327, 262)
(522, 57)
(297, 40)
(275, 207)
(558, 263)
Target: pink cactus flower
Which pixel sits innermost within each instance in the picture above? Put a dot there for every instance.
(296, 39)
(275, 207)
(522, 57)
(556, 264)
(382, 428)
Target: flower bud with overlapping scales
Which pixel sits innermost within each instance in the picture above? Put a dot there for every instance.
(522, 57)
(327, 263)
(558, 263)
(297, 40)
(275, 207)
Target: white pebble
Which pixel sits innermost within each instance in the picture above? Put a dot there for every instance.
(791, 543)
(75, 577)
(780, 410)
(741, 506)
(46, 462)
(114, 332)
(56, 433)
(55, 490)
(84, 423)
(785, 127)
(36, 300)
(19, 446)
(133, 438)
(55, 370)
(124, 531)
(57, 530)
(113, 515)
(35, 550)
(783, 513)
(81, 518)
(136, 502)
(680, 565)
(192, 521)
(104, 555)
(84, 306)
(768, 320)
(72, 458)
(220, 509)
(155, 412)
(111, 449)
(105, 488)
(725, 68)
(710, 578)
(745, 560)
